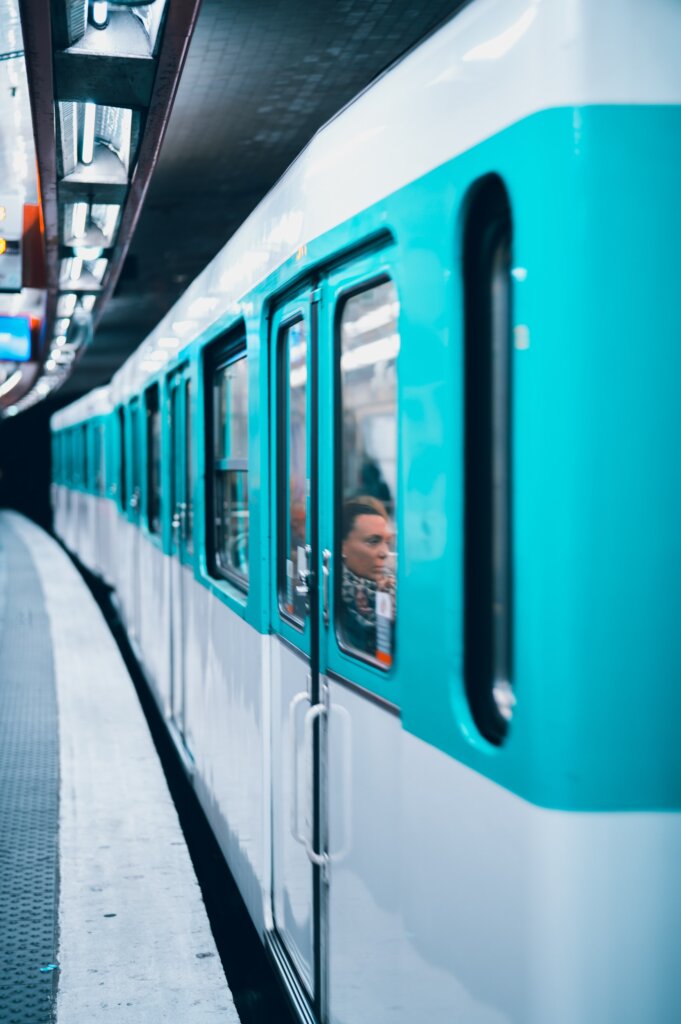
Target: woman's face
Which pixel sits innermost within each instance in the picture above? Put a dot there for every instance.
(366, 547)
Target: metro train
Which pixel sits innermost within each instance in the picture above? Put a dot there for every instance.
(391, 510)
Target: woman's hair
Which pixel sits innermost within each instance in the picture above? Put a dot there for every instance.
(364, 505)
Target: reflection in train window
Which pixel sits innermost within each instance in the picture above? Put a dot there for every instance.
(84, 469)
(99, 458)
(367, 491)
(153, 461)
(188, 495)
(293, 468)
(230, 469)
(122, 482)
(135, 461)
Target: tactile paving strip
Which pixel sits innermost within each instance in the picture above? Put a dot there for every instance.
(29, 793)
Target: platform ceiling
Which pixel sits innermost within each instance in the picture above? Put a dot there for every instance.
(260, 78)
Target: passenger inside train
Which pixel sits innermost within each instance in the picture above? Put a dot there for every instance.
(368, 583)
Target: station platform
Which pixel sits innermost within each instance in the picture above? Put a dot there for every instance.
(101, 916)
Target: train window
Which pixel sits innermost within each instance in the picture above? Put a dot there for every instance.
(487, 508)
(230, 468)
(188, 495)
(293, 536)
(368, 346)
(84, 461)
(99, 458)
(153, 460)
(122, 481)
(136, 469)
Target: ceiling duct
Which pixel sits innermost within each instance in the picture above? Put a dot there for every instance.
(109, 72)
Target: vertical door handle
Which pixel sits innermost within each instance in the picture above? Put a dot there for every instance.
(315, 712)
(326, 573)
(298, 699)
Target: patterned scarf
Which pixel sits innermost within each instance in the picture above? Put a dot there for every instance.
(359, 596)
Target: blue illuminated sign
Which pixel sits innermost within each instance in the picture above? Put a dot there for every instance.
(15, 338)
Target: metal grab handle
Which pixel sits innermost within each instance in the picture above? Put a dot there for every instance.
(315, 712)
(299, 697)
(326, 573)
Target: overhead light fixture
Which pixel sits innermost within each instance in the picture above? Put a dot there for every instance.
(99, 269)
(80, 211)
(66, 304)
(88, 252)
(62, 326)
(99, 13)
(88, 302)
(60, 340)
(87, 149)
(76, 267)
(168, 342)
(50, 365)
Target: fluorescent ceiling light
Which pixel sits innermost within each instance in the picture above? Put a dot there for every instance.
(88, 252)
(66, 304)
(76, 267)
(80, 211)
(88, 144)
(88, 302)
(99, 12)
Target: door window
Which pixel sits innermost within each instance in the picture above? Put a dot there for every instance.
(153, 461)
(230, 469)
(369, 344)
(293, 555)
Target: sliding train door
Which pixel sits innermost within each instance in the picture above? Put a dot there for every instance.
(181, 543)
(299, 879)
(336, 727)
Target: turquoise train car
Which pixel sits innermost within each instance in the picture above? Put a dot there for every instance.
(390, 504)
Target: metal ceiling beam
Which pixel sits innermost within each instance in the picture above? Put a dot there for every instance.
(177, 33)
(82, 66)
(36, 30)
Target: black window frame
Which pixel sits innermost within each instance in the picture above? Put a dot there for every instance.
(154, 495)
(122, 459)
(488, 554)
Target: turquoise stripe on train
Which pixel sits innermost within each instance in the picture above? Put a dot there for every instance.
(596, 486)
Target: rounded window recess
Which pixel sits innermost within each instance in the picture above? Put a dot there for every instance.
(488, 562)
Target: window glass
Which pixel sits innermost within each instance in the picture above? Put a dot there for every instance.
(122, 482)
(230, 468)
(100, 483)
(134, 450)
(188, 495)
(293, 482)
(369, 346)
(84, 456)
(153, 461)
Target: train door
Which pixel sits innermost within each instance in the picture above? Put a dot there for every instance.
(135, 514)
(299, 878)
(180, 542)
(359, 516)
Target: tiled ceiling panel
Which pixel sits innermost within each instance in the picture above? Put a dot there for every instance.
(259, 80)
